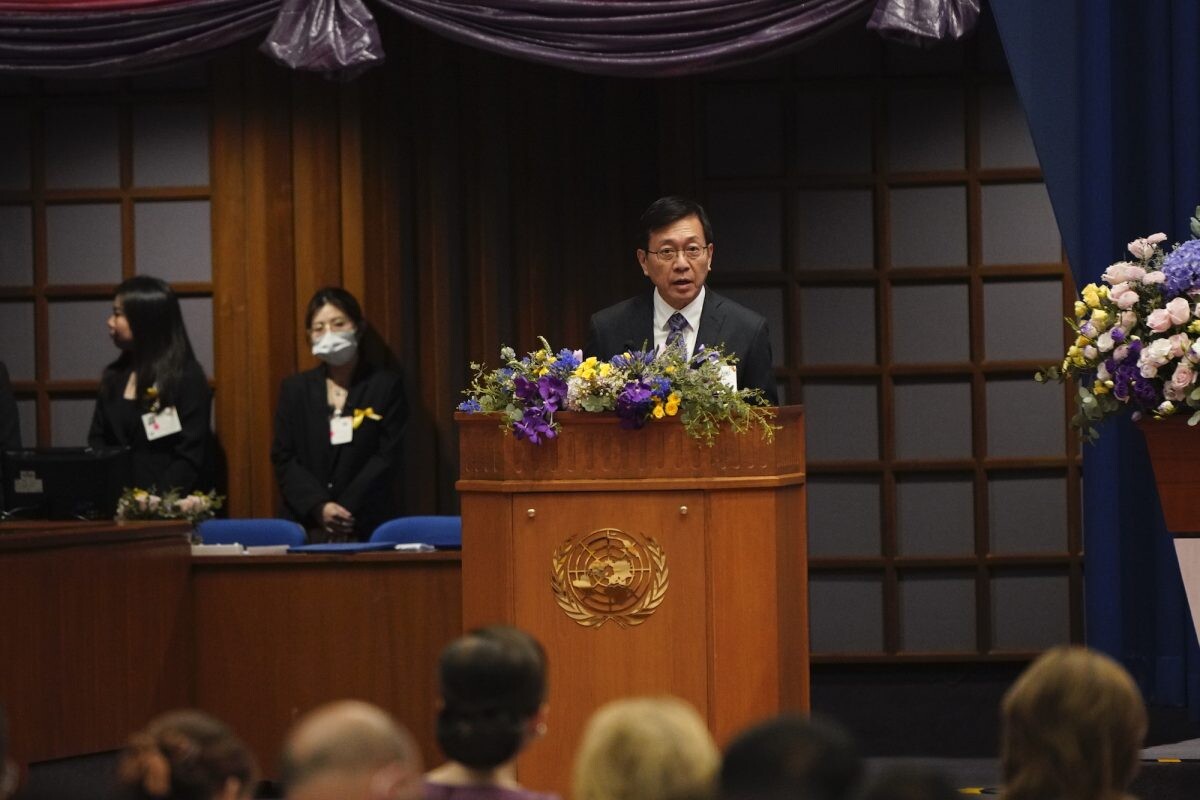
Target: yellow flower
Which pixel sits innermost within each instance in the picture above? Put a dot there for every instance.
(586, 369)
(1194, 327)
(1091, 295)
(1099, 388)
(1080, 309)
(658, 412)
(672, 405)
(669, 370)
(542, 371)
(604, 369)
(364, 413)
(1082, 341)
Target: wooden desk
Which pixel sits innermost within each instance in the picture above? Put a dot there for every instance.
(92, 633)
(277, 635)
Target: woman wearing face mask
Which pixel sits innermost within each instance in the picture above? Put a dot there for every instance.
(154, 398)
(338, 429)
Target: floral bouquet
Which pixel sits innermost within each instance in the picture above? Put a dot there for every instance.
(639, 386)
(195, 507)
(1137, 343)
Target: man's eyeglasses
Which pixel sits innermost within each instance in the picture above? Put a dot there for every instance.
(669, 254)
(336, 324)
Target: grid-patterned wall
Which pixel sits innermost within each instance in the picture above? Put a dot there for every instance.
(884, 208)
(99, 181)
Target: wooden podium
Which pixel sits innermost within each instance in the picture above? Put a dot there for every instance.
(646, 563)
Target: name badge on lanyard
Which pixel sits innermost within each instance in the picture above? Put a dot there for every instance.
(161, 423)
(341, 430)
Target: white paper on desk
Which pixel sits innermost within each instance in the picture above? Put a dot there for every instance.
(216, 549)
(267, 549)
(415, 547)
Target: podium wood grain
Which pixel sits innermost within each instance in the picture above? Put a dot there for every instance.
(93, 637)
(731, 633)
(279, 635)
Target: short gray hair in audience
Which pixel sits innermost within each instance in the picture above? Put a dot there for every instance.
(351, 750)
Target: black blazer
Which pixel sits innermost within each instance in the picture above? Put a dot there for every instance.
(10, 425)
(179, 461)
(358, 474)
(738, 330)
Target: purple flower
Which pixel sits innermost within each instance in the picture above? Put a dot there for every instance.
(470, 405)
(633, 405)
(1118, 335)
(1182, 269)
(641, 358)
(533, 426)
(526, 390)
(553, 392)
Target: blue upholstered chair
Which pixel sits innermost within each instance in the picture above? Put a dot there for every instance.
(251, 532)
(439, 531)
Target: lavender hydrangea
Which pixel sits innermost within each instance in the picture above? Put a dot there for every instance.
(1182, 269)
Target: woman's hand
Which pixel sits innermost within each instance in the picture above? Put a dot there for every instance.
(336, 519)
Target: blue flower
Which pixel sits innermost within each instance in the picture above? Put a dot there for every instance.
(567, 360)
(1182, 268)
(470, 405)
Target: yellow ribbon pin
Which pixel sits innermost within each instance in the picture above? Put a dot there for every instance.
(364, 413)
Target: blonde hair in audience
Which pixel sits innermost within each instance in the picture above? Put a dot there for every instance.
(647, 748)
(1073, 726)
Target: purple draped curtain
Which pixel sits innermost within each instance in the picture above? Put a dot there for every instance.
(645, 38)
(109, 39)
(637, 38)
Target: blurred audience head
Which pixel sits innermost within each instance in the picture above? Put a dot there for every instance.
(647, 748)
(913, 782)
(493, 685)
(790, 757)
(350, 750)
(1072, 728)
(8, 770)
(187, 755)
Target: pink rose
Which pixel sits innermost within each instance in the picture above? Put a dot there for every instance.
(1159, 320)
(1123, 271)
(1183, 377)
(1179, 311)
(1144, 248)
(1120, 353)
(1157, 276)
(1123, 295)
(1180, 344)
(1129, 319)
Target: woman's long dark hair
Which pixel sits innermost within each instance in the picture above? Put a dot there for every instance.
(493, 682)
(161, 348)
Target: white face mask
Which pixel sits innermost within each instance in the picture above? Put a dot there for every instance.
(336, 347)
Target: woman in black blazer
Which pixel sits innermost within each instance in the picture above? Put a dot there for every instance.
(154, 398)
(338, 429)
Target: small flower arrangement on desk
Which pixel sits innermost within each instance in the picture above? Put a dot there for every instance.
(140, 504)
(640, 387)
(1137, 345)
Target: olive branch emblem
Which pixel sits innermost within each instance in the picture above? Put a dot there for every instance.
(568, 601)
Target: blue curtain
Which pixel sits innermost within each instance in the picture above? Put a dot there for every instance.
(1111, 90)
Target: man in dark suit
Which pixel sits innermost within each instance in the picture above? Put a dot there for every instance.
(676, 255)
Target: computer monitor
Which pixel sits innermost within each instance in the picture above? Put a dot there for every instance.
(64, 482)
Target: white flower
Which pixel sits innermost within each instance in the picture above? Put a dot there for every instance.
(1105, 341)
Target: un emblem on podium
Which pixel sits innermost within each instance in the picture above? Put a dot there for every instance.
(609, 574)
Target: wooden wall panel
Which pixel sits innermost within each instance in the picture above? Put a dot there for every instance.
(469, 201)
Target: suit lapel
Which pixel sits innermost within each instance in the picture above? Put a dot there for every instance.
(641, 324)
(318, 431)
(712, 321)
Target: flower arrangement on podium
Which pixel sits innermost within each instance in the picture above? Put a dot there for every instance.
(1137, 345)
(141, 504)
(640, 387)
